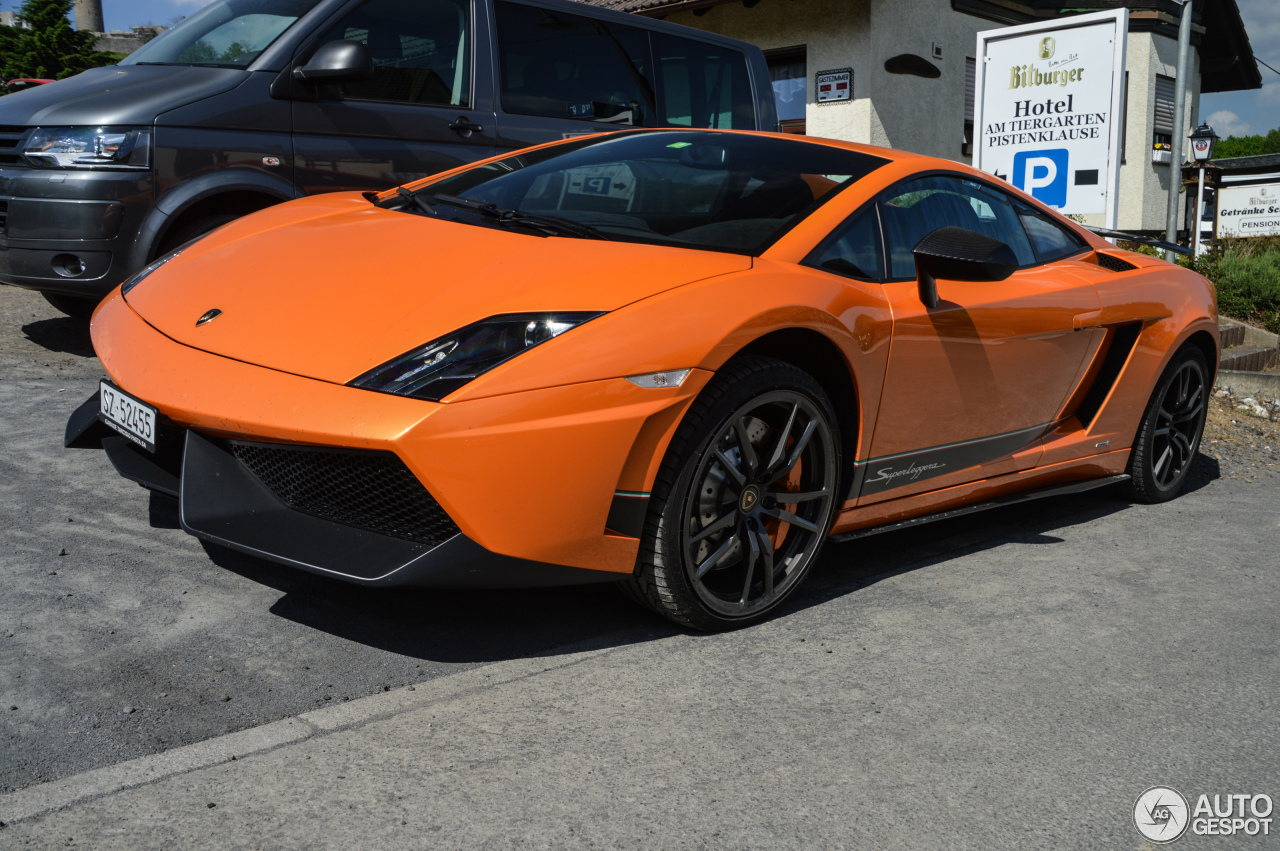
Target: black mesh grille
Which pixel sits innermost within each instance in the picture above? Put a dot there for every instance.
(1115, 264)
(365, 489)
(11, 141)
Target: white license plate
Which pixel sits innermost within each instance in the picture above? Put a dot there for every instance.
(134, 419)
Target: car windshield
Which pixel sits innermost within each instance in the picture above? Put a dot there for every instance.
(716, 191)
(224, 34)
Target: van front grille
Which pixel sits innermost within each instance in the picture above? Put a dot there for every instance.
(12, 140)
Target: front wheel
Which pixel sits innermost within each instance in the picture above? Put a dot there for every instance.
(744, 499)
(1172, 425)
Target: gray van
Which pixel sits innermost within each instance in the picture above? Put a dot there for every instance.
(251, 102)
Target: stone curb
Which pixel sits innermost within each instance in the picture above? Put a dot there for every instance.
(1260, 385)
(58, 794)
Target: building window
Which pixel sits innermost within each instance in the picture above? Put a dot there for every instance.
(970, 83)
(787, 70)
(1124, 120)
(1162, 126)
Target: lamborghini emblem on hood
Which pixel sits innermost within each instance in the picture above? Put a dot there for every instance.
(209, 316)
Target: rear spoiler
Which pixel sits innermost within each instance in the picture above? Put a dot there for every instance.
(1144, 240)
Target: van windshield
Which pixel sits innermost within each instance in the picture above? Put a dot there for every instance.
(719, 191)
(224, 34)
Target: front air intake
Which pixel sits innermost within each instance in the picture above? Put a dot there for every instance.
(371, 490)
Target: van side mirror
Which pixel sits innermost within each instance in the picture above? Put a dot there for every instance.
(337, 62)
(960, 254)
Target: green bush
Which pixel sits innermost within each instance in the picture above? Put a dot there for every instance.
(1246, 273)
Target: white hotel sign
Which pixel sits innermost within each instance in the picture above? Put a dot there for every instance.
(1249, 210)
(1048, 97)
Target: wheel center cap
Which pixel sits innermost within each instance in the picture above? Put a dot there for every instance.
(750, 499)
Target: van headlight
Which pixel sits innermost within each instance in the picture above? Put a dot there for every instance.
(90, 147)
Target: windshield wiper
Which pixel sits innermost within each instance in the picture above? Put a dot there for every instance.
(402, 194)
(548, 224)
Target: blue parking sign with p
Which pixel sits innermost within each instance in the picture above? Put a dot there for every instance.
(1042, 175)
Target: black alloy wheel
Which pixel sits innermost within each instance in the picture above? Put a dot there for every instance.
(745, 498)
(1171, 429)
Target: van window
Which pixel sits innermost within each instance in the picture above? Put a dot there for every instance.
(421, 50)
(702, 85)
(571, 66)
(224, 34)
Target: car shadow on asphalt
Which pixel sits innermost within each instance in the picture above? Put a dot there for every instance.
(488, 626)
(61, 334)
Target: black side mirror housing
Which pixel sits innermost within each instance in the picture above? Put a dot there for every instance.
(337, 62)
(960, 254)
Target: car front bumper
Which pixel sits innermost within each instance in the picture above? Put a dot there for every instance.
(530, 478)
(70, 232)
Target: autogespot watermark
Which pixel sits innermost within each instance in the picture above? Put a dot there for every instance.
(1162, 814)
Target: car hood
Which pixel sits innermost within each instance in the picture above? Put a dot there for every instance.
(116, 94)
(331, 287)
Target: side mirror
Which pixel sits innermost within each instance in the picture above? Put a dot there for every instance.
(959, 254)
(337, 62)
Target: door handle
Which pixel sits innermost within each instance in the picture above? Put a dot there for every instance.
(465, 127)
(1086, 320)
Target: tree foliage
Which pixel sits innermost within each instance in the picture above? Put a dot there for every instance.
(1248, 146)
(50, 48)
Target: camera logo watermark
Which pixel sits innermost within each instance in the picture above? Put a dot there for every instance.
(1161, 814)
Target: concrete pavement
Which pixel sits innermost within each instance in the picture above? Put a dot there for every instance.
(1011, 681)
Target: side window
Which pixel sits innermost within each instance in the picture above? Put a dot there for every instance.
(570, 66)
(853, 250)
(916, 208)
(1050, 240)
(421, 50)
(702, 85)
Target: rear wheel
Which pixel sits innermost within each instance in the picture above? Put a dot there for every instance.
(1171, 429)
(744, 499)
(74, 306)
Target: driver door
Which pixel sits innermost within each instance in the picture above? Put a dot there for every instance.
(973, 384)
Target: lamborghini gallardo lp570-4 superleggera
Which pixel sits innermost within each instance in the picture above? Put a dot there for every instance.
(676, 359)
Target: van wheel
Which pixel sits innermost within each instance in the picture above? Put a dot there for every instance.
(744, 499)
(183, 234)
(73, 306)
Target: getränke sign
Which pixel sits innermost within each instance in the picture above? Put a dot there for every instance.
(1249, 210)
(1047, 99)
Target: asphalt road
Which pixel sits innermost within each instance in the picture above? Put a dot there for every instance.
(1011, 679)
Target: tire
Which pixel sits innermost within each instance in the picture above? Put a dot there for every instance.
(721, 549)
(74, 306)
(183, 234)
(1171, 428)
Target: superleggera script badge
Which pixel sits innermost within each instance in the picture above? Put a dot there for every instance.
(888, 474)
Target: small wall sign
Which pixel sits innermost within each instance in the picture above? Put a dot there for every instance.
(835, 85)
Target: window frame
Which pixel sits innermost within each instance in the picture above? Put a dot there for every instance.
(1014, 200)
(811, 259)
(303, 55)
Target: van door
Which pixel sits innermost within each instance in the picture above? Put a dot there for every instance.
(563, 75)
(424, 110)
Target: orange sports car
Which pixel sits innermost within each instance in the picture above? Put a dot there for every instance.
(678, 359)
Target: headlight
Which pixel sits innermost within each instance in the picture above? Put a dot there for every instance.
(90, 147)
(149, 268)
(437, 369)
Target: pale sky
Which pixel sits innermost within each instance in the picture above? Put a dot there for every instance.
(1238, 113)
